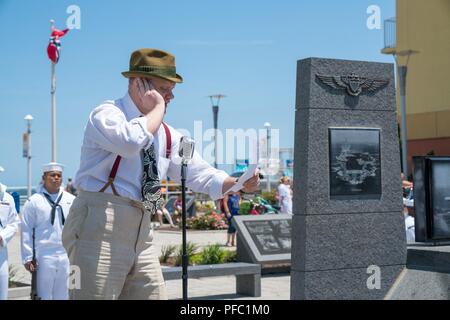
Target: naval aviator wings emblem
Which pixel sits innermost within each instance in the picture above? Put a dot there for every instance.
(353, 83)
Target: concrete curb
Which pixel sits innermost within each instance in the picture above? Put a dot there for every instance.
(19, 293)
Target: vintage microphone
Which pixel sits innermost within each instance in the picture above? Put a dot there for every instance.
(186, 151)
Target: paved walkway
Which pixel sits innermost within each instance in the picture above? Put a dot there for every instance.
(273, 287)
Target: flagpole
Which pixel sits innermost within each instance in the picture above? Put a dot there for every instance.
(53, 91)
(53, 94)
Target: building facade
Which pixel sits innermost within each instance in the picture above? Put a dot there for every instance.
(422, 43)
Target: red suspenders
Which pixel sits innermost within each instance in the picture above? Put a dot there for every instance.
(115, 167)
(168, 141)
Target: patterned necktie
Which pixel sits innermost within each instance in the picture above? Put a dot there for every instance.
(151, 191)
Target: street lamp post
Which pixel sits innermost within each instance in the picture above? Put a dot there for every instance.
(28, 118)
(215, 108)
(402, 80)
(267, 125)
(402, 71)
(390, 47)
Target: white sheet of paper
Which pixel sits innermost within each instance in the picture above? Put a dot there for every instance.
(242, 179)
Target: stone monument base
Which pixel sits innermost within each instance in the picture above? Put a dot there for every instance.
(427, 276)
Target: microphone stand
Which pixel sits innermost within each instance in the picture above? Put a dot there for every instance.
(184, 261)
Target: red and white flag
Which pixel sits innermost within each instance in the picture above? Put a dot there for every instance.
(54, 45)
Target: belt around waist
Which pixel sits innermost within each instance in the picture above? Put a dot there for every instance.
(107, 197)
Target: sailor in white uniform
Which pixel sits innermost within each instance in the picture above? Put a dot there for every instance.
(408, 203)
(46, 212)
(9, 221)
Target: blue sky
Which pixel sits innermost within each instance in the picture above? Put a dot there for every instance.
(247, 50)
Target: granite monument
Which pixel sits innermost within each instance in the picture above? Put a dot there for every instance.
(348, 233)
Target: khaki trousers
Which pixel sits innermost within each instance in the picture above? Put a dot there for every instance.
(109, 239)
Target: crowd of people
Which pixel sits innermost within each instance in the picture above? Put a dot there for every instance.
(231, 206)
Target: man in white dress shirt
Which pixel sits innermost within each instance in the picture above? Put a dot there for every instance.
(126, 150)
(9, 220)
(46, 212)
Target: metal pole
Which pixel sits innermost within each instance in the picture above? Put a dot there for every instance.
(215, 114)
(53, 93)
(53, 99)
(185, 258)
(402, 79)
(268, 158)
(29, 159)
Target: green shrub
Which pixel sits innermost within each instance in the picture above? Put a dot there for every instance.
(210, 204)
(191, 249)
(211, 221)
(270, 196)
(230, 256)
(166, 252)
(198, 205)
(212, 254)
(205, 206)
(245, 207)
(195, 259)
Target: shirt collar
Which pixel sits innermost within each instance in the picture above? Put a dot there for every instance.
(129, 108)
(43, 190)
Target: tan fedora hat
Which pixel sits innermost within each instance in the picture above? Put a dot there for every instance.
(153, 62)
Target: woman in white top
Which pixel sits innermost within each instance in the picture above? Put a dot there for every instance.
(285, 195)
